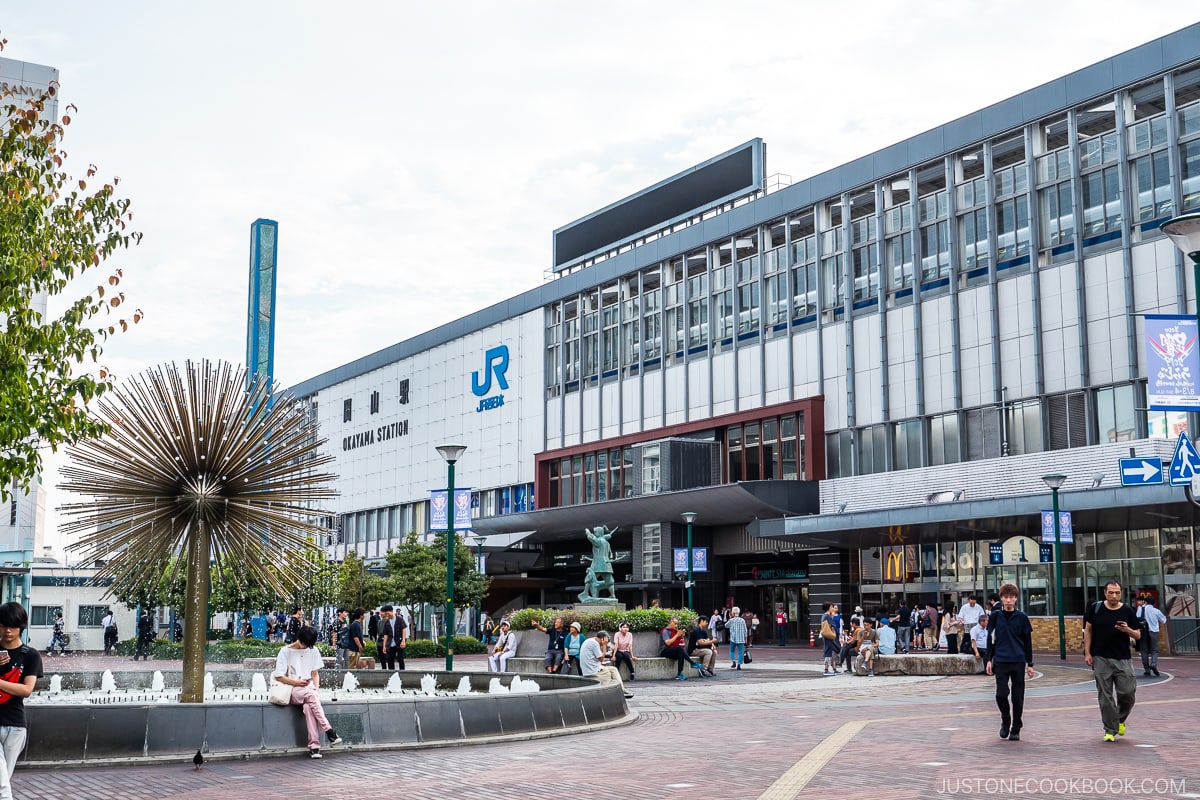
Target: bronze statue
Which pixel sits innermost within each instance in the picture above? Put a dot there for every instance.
(599, 575)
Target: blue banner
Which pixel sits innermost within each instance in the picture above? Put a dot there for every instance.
(438, 508)
(699, 559)
(1172, 362)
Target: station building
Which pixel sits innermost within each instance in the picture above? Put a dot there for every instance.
(856, 382)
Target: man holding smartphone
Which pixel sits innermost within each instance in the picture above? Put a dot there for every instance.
(20, 667)
(1107, 628)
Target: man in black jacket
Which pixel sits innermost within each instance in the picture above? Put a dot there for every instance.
(1107, 629)
(1010, 659)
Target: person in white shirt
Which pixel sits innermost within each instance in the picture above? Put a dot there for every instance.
(109, 623)
(506, 646)
(979, 638)
(298, 665)
(593, 655)
(970, 614)
(1151, 621)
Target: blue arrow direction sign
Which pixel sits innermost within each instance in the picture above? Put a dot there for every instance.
(1186, 463)
(1140, 471)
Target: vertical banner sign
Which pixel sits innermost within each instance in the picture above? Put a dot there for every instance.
(1172, 362)
(996, 552)
(699, 559)
(438, 508)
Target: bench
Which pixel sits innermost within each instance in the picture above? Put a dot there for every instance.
(364, 662)
(648, 669)
(924, 664)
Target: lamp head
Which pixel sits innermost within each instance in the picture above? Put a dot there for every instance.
(1184, 232)
(689, 516)
(451, 452)
(1054, 481)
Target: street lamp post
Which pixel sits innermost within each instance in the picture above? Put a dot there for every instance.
(1184, 232)
(1055, 483)
(689, 517)
(451, 453)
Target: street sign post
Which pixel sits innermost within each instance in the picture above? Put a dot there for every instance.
(1185, 465)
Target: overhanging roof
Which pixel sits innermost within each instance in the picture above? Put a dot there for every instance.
(1106, 509)
(728, 504)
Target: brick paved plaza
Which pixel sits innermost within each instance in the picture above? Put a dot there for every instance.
(776, 730)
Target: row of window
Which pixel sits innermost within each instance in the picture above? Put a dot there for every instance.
(970, 213)
(1057, 422)
(393, 523)
(86, 617)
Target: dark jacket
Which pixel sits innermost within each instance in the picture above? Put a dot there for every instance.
(1011, 637)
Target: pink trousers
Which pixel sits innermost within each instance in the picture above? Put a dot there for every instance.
(314, 715)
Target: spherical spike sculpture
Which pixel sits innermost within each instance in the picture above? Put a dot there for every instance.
(199, 462)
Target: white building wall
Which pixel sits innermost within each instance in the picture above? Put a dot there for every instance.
(1016, 337)
(775, 371)
(868, 370)
(902, 367)
(975, 346)
(723, 388)
(937, 363)
(379, 465)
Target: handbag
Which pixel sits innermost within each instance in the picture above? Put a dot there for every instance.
(280, 694)
(827, 631)
(747, 659)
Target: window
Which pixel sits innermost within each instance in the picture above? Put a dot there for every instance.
(1012, 228)
(722, 294)
(1189, 156)
(609, 320)
(1023, 428)
(651, 470)
(374, 402)
(833, 278)
(900, 260)
(747, 282)
(591, 334)
(1057, 215)
(1066, 415)
(973, 239)
(872, 450)
(983, 435)
(553, 346)
(571, 340)
(697, 296)
(1117, 414)
(347, 410)
(674, 317)
(906, 444)
(42, 616)
(838, 460)
(651, 552)
(1101, 201)
(651, 314)
(935, 251)
(943, 439)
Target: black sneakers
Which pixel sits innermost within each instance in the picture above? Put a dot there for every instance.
(332, 736)
(314, 752)
(1004, 730)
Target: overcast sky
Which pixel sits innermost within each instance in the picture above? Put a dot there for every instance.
(418, 156)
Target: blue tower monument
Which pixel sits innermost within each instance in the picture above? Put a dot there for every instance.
(260, 318)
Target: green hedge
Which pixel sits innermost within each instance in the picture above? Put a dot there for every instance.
(423, 648)
(647, 619)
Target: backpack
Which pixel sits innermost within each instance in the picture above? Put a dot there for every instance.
(720, 624)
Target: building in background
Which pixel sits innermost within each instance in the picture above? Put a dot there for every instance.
(22, 522)
(856, 382)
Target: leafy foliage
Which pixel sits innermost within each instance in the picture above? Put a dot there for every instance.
(417, 574)
(649, 619)
(355, 586)
(54, 229)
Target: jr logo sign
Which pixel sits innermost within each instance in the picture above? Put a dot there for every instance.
(495, 362)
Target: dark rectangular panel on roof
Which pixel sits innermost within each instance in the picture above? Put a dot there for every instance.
(732, 174)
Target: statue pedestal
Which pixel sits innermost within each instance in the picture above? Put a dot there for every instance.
(599, 606)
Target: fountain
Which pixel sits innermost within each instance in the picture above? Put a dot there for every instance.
(91, 717)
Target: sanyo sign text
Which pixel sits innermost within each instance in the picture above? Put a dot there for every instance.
(495, 363)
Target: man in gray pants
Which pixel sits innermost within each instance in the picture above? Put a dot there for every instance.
(1151, 621)
(1107, 629)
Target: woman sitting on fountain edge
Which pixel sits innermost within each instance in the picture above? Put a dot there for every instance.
(301, 658)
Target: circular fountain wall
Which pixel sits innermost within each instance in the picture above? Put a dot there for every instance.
(132, 715)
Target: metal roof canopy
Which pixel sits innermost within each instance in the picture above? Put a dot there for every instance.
(1105, 509)
(728, 504)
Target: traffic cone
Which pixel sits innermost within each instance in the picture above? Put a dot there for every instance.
(812, 639)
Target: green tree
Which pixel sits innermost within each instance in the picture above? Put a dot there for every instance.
(54, 229)
(356, 586)
(418, 574)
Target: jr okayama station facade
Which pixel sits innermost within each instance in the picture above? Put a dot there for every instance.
(855, 383)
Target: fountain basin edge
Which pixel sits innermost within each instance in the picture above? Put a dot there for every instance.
(63, 734)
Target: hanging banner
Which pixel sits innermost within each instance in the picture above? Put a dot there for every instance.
(1172, 362)
(438, 509)
(699, 559)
